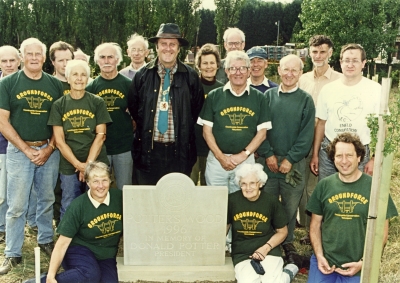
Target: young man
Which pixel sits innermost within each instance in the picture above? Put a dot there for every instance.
(343, 106)
(339, 207)
(60, 53)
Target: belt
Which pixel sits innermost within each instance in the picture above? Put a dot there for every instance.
(36, 143)
(164, 143)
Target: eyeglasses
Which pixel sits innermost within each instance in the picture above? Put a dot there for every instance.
(242, 70)
(133, 50)
(252, 185)
(293, 71)
(236, 44)
(348, 61)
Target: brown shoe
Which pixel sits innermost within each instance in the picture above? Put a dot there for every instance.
(8, 264)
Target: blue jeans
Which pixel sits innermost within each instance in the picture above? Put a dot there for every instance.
(22, 176)
(80, 265)
(71, 189)
(3, 192)
(315, 276)
(31, 214)
(326, 167)
(123, 168)
(218, 176)
(290, 196)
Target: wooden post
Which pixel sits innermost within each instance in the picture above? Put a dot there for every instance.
(378, 199)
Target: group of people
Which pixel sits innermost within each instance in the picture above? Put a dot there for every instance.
(301, 144)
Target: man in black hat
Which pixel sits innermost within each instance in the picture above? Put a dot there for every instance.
(165, 99)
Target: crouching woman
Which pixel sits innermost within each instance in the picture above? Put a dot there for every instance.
(259, 226)
(89, 233)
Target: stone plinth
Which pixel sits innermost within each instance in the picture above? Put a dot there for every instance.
(175, 223)
(131, 273)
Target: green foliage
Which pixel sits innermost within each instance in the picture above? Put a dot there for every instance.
(367, 22)
(226, 15)
(207, 28)
(392, 140)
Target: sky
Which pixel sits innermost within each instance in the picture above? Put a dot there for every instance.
(209, 4)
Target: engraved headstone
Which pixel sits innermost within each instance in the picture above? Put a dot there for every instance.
(175, 223)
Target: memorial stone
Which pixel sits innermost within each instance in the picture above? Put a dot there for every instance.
(175, 223)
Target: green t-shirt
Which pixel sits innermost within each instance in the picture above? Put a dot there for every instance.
(29, 102)
(66, 87)
(344, 207)
(98, 229)
(253, 223)
(79, 118)
(201, 145)
(292, 133)
(115, 94)
(235, 119)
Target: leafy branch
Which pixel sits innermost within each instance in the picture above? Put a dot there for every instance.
(392, 141)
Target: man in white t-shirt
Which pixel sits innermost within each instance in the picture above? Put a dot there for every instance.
(343, 106)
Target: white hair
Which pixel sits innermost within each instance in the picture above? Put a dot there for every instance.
(31, 41)
(117, 48)
(80, 52)
(229, 31)
(9, 49)
(74, 63)
(137, 38)
(236, 55)
(290, 57)
(246, 169)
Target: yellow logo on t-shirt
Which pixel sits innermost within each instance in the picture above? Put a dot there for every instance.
(346, 203)
(110, 95)
(35, 99)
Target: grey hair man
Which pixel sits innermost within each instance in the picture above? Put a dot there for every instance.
(25, 103)
(234, 39)
(113, 88)
(235, 121)
(138, 50)
(165, 99)
(321, 48)
(9, 60)
(288, 142)
(9, 63)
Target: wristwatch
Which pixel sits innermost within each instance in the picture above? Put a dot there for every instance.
(247, 152)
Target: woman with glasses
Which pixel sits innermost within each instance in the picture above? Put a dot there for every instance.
(208, 62)
(89, 233)
(259, 226)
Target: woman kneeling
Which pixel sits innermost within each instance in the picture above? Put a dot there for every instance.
(89, 233)
(259, 226)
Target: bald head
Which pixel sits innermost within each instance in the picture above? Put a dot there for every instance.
(9, 60)
(291, 58)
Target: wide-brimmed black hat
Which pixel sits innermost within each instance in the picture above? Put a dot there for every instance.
(169, 31)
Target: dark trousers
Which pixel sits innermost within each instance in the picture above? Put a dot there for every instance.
(81, 266)
(162, 162)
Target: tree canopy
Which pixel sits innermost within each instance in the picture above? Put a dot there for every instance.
(369, 23)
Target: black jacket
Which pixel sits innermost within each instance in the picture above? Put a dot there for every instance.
(187, 98)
